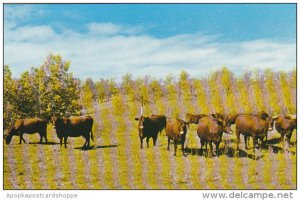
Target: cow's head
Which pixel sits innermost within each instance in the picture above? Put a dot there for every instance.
(141, 120)
(182, 126)
(268, 119)
(222, 122)
(8, 136)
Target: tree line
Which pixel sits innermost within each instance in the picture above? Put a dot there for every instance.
(51, 90)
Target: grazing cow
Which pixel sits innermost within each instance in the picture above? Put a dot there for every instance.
(285, 125)
(210, 130)
(176, 130)
(28, 126)
(74, 127)
(150, 126)
(193, 119)
(255, 126)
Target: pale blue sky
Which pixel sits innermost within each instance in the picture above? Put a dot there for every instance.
(108, 40)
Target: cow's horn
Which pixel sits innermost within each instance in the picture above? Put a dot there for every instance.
(141, 110)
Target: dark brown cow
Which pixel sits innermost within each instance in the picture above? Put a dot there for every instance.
(74, 127)
(210, 130)
(193, 119)
(150, 126)
(256, 126)
(28, 126)
(285, 125)
(176, 130)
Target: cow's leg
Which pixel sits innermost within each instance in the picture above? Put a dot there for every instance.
(217, 147)
(201, 148)
(168, 148)
(147, 140)
(43, 134)
(154, 140)
(141, 142)
(46, 137)
(237, 140)
(175, 147)
(246, 138)
(182, 147)
(288, 136)
(254, 141)
(88, 140)
(41, 137)
(65, 141)
(211, 148)
(61, 140)
(21, 138)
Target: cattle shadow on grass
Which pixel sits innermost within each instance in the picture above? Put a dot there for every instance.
(229, 152)
(96, 147)
(44, 143)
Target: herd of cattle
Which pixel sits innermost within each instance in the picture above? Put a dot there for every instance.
(210, 128)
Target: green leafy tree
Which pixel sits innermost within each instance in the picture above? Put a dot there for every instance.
(58, 90)
(9, 98)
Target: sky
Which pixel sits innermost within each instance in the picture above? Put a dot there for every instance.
(110, 40)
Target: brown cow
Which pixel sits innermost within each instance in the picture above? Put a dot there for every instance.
(28, 126)
(193, 119)
(256, 126)
(210, 130)
(74, 127)
(285, 125)
(176, 130)
(150, 126)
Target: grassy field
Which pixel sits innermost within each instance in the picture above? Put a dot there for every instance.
(117, 162)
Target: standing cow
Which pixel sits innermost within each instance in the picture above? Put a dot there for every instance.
(285, 125)
(150, 126)
(255, 126)
(28, 126)
(210, 130)
(176, 130)
(74, 127)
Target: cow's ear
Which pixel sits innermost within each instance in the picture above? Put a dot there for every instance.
(136, 119)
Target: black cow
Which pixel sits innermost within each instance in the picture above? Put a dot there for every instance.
(150, 126)
(74, 127)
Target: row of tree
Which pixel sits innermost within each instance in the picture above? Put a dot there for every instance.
(51, 90)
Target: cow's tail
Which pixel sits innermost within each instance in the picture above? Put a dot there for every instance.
(92, 136)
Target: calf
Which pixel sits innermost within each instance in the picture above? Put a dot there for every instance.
(28, 126)
(176, 130)
(74, 127)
